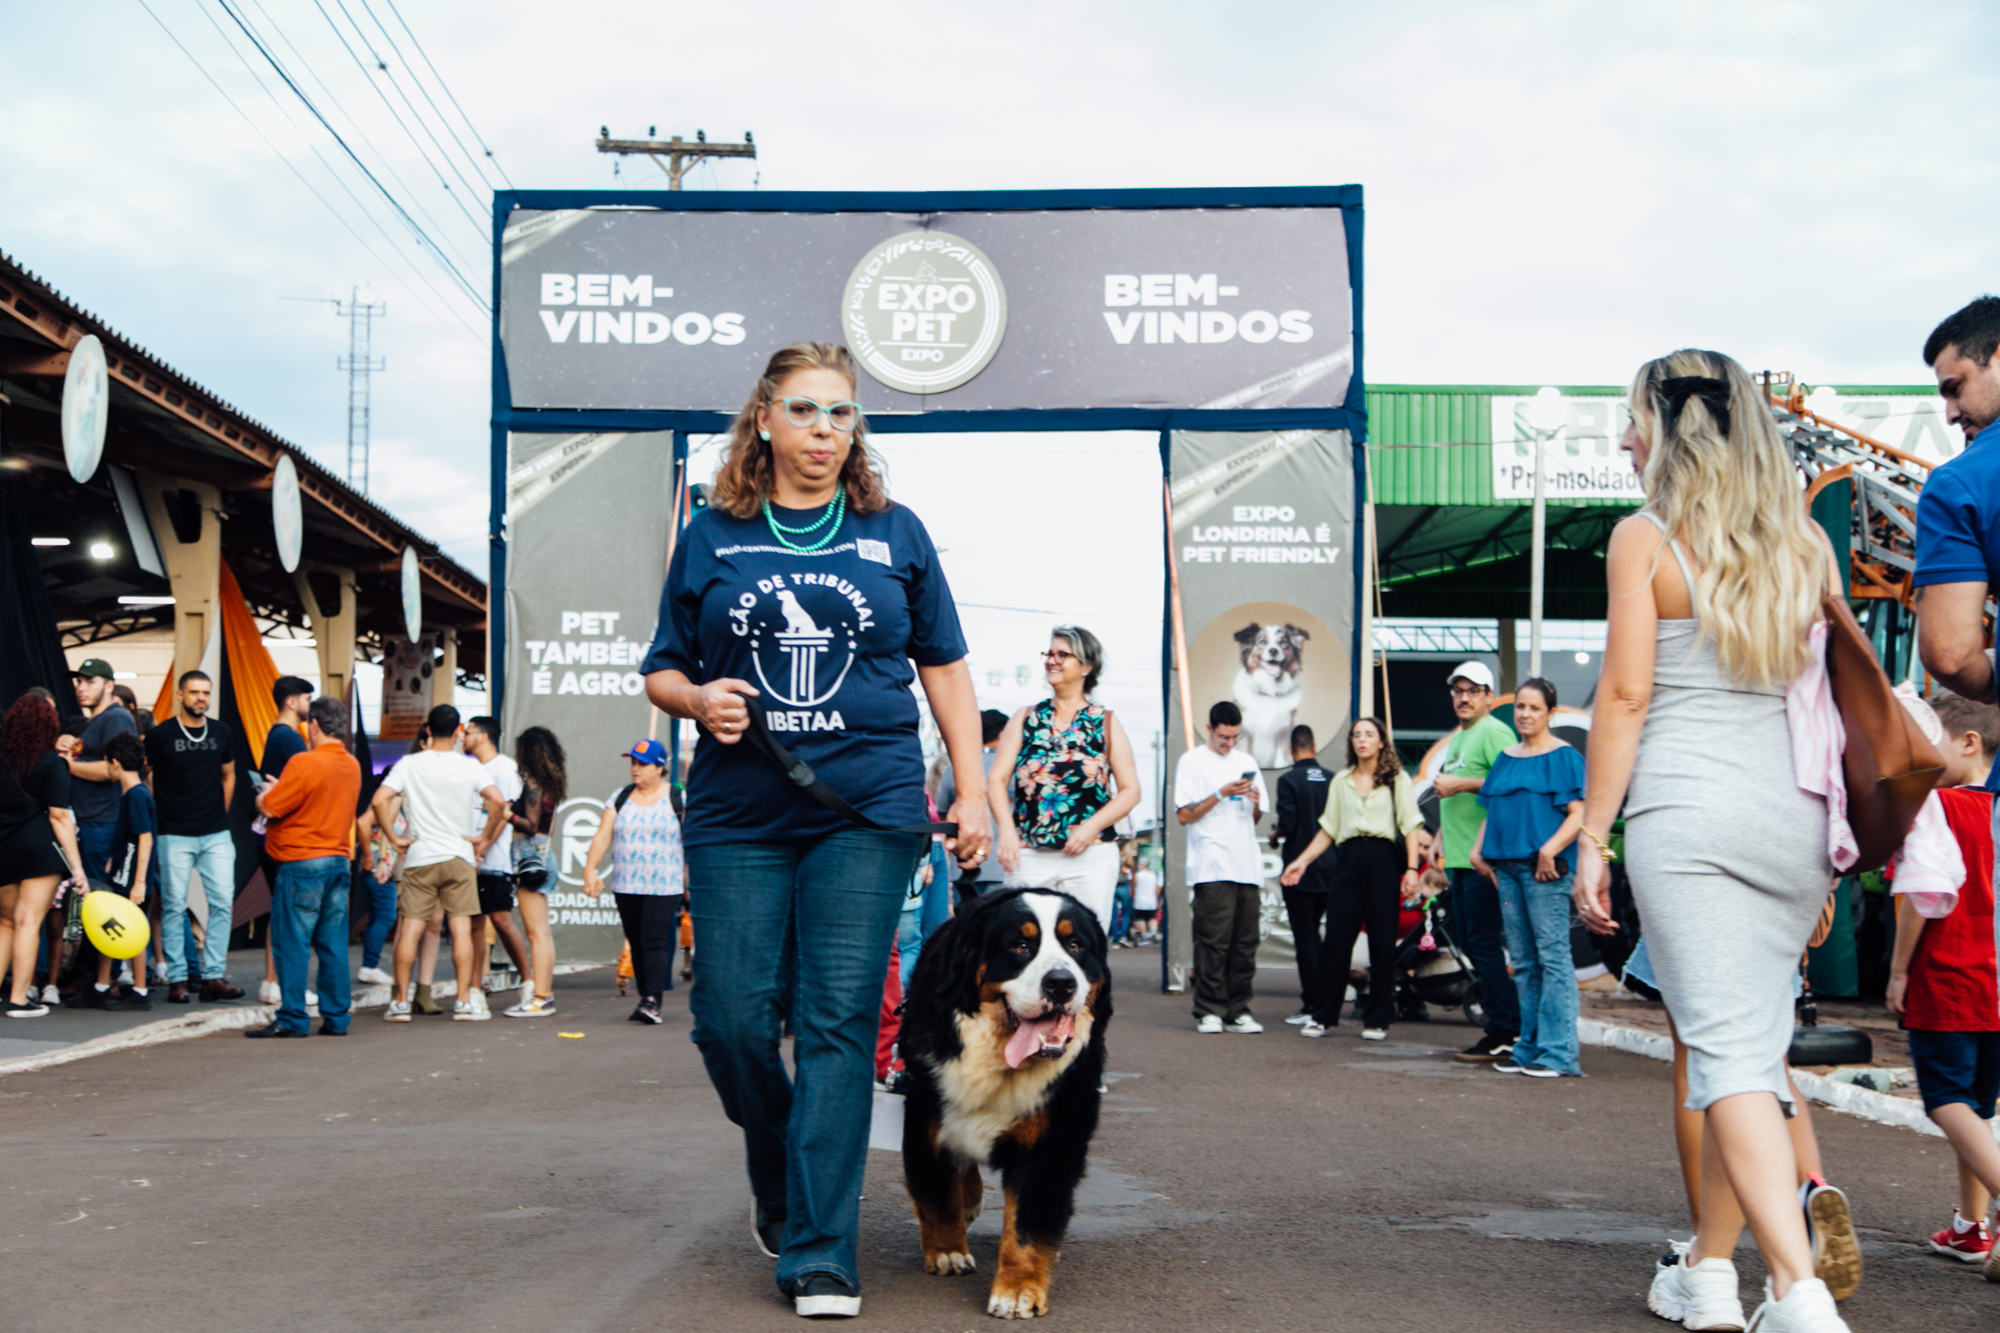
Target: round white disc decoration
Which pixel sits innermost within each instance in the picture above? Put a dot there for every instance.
(85, 408)
(287, 519)
(413, 596)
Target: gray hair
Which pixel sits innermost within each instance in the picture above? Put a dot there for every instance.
(329, 715)
(1087, 649)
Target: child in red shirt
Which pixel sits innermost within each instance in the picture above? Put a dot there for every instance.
(1945, 987)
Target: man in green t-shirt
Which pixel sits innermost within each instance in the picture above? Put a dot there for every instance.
(1474, 900)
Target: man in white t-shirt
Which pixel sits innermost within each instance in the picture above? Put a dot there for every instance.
(432, 789)
(1218, 795)
(496, 869)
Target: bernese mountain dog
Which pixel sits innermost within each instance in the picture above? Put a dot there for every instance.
(1003, 1036)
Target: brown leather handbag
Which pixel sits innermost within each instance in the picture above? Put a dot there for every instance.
(1889, 764)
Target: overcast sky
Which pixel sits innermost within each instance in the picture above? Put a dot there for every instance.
(1555, 191)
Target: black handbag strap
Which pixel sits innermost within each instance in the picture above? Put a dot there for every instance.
(802, 775)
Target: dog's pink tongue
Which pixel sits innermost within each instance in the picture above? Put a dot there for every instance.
(1034, 1034)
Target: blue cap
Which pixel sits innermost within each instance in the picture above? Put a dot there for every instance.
(649, 752)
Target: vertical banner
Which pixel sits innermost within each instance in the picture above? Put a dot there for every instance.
(1263, 546)
(408, 677)
(587, 523)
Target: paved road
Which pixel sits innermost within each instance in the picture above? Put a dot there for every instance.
(496, 1176)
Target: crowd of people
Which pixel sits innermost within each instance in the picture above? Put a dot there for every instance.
(1718, 592)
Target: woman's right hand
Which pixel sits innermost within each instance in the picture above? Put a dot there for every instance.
(1592, 889)
(720, 708)
(593, 883)
(1010, 849)
(1293, 874)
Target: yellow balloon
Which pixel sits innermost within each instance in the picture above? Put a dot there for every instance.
(115, 924)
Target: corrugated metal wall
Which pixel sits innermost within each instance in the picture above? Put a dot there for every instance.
(1405, 418)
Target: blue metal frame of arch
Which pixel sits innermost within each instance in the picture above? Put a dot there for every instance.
(1351, 416)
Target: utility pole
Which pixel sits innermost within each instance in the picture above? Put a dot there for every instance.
(676, 155)
(360, 310)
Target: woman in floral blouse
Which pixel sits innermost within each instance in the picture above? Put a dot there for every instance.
(1061, 780)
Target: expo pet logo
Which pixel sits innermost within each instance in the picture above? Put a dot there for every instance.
(924, 311)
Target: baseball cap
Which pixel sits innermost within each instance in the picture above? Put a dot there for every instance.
(1476, 672)
(649, 752)
(93, 666)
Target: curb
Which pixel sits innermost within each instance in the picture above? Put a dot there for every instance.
(232, 1019)
(1904, 1112)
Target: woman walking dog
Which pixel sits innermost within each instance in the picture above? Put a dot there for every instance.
(805, 594)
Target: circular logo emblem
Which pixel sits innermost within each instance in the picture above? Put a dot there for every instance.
(924, 311)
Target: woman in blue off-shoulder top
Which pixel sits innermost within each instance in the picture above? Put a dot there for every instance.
(1533, 799)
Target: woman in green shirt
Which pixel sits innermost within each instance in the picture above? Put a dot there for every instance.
(1371, 816)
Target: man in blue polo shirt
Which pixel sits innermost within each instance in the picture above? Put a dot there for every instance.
(1958, 514)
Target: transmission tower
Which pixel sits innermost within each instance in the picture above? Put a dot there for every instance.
(360, 310)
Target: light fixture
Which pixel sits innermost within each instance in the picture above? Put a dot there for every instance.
(101, 551)
(291, 643)
(1583, 659)
(125, 675)
(1547, 411)
(48, 541)
(145, 601)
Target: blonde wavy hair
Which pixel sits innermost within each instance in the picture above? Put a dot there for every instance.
(745, 479)
(1719, 477)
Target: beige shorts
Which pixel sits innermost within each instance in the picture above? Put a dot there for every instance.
(452, 883)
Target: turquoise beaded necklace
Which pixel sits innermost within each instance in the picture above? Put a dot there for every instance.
(835, 514)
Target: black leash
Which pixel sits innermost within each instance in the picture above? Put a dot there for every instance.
(802, 775)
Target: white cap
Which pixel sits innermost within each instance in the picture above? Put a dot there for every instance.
(1476, 672)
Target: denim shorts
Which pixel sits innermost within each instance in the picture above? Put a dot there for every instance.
(1959, 1067)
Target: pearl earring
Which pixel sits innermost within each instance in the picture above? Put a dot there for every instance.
(764, 435)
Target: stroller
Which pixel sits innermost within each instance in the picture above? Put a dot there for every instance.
(1431, 969)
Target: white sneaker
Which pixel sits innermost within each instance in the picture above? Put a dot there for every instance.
(1300, 1019)
(472, 1010)
(1209, 1023)
(50, 995)
(312, 1004)
(1704, 1296)
(1374, 1034)
(1807, 1308)
(1245, 1023)
(397, 1012)
(268, 992)
(374, 976)
(1312, 1028)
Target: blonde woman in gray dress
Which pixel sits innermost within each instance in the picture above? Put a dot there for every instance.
(1714, 590)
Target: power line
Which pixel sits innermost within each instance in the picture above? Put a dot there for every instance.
(465, 284)
(387, 164)
(429, 101)
(448, 310)
(446, 88)
(478, 223)
(290, 166)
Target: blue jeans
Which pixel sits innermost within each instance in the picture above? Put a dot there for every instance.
(1476, 925)
(806, 1143)
(214, 854)
(93, 840)
(909, 943)
(1537, 916)
(381, 900)
(309, 916)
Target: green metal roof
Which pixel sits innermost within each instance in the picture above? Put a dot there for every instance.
(1432, 444)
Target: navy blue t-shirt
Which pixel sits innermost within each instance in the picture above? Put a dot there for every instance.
(281, 746)
(828, 640)
(136, 815)
(1958, 523)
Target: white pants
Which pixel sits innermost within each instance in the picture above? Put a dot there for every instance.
(1091, 878)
